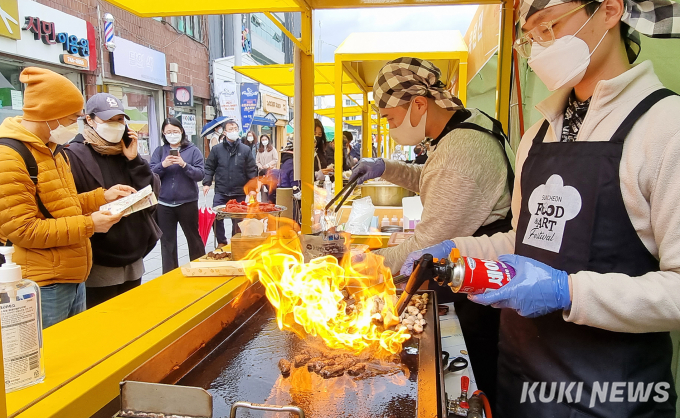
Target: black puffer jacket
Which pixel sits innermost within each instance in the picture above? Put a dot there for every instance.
(231, 165)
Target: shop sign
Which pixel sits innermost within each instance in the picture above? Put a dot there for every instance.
(482, 37)
(189, 124)
(138, 62)
(46, 34)
(249, 94)
(273, 104)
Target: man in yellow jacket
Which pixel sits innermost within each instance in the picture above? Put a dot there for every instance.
(52, 243)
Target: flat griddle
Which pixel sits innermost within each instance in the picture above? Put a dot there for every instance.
(243, 367)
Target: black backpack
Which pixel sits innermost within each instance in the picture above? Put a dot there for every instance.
(32, 167)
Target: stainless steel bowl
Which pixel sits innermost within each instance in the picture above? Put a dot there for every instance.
(384, 193)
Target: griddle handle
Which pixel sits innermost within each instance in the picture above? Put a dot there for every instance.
(422, 272)
(271, 408)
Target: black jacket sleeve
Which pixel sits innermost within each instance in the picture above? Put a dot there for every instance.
(210, 166)
(251, 166)
(140, 173)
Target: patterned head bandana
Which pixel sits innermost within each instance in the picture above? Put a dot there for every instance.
(401, 80)
(653, 18)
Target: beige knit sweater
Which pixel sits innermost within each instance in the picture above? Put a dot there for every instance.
(463, 185)
(650, 185)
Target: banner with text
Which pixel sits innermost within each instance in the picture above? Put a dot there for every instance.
(249, 93)
(228, 97)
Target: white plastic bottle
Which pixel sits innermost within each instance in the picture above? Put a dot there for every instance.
(20, 315)
(395, 221)
(328, 186)
(385, 221)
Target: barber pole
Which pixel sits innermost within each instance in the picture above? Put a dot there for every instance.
(473, 275)
(108, 32)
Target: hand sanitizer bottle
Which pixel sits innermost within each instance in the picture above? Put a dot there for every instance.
(20, 316)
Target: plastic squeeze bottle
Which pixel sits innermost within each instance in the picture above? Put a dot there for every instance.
(385, 221)
(20, 316)
(328, 186)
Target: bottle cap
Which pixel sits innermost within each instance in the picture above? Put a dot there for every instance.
(10, 271)
(454, 255)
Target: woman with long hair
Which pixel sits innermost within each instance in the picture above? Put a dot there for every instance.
(267, 157)
(179, 163)
(320, 162)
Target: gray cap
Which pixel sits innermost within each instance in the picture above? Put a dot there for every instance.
(105, 106)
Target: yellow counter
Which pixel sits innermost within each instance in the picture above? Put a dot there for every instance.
(88, 355)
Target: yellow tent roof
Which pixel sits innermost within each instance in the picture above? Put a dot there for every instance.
(153, 8)
(281, 78)
(364, 54)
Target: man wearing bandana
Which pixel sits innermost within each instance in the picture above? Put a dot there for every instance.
(596, 228)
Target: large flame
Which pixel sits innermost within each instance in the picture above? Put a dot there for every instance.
(309, 299)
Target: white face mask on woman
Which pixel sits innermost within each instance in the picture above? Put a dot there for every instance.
(565, 62)
(251, 138)
(407, 134)
(265, 142)
(173, 138)
(110, 131)
(62, 134)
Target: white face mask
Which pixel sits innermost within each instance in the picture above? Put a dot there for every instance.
(564, 63)
(62, 134)
(173, 138)
(232, 136)
(219, 130)
(251, 138)
(265, 142)
(406, 134)
(110, 131)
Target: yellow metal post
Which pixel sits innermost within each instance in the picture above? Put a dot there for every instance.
(306, 128)
(379, 137)
(366, 142)
(338, 126)
(503, 83)
(462, 82)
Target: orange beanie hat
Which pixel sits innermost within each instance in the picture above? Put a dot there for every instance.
(48, 95)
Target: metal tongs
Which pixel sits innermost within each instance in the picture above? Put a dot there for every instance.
(330, 215)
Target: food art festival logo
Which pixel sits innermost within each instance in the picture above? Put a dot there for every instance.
(551, 205)
(598, 392)
(249, 92)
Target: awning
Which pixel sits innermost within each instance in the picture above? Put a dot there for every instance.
(280, 77)
(259, 120)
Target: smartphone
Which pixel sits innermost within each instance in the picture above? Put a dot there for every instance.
(126, 136)
(174, 152)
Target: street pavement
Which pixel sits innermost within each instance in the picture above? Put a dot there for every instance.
(153, 266)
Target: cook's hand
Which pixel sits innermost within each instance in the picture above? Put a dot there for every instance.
(104, 220)
(441, 250)
(367, 169)
(118, 191)
(537, 289)
(130, 151)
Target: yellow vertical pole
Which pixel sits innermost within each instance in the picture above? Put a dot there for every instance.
(462, 82)
(380, 140)
(504, 82)
(306, 128)
(338, 124)
(366, 141)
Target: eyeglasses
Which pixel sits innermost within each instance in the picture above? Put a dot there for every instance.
(542, 34)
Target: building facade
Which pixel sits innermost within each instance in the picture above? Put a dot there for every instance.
(151, 61)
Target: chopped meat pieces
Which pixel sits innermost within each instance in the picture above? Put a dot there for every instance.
(301, 360)
(332, 371)
(357, 369)
(316, 364)
(284, 366)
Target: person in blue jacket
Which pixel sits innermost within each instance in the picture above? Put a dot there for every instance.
(179, 164)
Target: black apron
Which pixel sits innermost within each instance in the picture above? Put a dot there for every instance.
(479, 323)
(573, 218)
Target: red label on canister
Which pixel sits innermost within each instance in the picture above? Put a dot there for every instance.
(481, 275)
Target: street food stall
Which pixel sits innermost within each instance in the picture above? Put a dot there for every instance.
(171, 324)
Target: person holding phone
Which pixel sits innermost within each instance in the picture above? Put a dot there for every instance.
(106, 154)
(179, 164)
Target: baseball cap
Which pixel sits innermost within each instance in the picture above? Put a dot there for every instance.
(105, 106)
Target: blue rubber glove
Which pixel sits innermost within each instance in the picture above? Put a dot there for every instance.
(441, 250)
(536, 290)
(367, 169)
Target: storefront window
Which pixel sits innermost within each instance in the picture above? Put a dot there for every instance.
(11, 94)
(140, 106)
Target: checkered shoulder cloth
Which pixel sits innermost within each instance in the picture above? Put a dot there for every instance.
(401, 80)
(654, 18)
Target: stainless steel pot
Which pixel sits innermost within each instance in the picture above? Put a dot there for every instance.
(384, 193)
